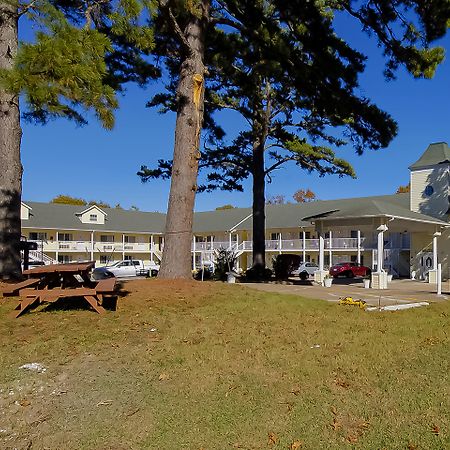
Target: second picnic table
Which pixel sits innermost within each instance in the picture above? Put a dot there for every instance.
(52, 282)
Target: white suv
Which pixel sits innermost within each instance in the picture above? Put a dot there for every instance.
(305, 270)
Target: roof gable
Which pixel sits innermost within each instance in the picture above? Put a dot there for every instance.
(437, 153)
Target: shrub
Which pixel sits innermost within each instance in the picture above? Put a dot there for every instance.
(225, 262)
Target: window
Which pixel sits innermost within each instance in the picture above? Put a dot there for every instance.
(106, 238)
(429, 190)
(37, 236)
(274, 236)
(93, 217)
(128, 258)
(130, 239)
(354, 234)
(104, 259)
(65, 237)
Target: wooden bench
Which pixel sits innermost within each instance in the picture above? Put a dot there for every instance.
(106, 286)
(14, 289)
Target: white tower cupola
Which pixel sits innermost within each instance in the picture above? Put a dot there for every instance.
(430, 178)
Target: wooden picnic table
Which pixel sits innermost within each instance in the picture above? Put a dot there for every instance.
(55, 281)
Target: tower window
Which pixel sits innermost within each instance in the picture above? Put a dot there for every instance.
(429, 190)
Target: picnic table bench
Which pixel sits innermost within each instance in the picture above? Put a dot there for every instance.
(53, 282)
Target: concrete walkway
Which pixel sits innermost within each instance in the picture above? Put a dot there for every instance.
(399, 292)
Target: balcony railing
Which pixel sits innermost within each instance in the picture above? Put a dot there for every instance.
(272, 245)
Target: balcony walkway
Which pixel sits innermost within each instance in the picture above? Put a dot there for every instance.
(399, 291)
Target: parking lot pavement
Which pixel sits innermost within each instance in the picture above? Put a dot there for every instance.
(399, 292)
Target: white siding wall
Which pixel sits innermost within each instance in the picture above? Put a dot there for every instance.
(436, 204)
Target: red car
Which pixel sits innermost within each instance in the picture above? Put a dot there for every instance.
(349, 270)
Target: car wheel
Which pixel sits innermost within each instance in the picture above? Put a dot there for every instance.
(304, 276)
(154, 273)
(350, 274)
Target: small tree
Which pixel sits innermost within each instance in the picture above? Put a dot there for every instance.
(304, 196)
(225, 261)
(279, 199)
(403, 189)
(68, 200)
(223, 207)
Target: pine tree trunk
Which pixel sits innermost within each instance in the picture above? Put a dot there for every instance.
(176, 260)
(259, 216)
(10, 165)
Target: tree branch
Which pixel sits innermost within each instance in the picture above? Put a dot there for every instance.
(164, 4)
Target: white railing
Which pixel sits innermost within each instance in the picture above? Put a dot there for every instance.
(272, 245)
(74, 246)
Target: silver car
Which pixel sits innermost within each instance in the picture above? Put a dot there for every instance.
(305, 270)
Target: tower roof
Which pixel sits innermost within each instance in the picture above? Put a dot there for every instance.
(437, 153)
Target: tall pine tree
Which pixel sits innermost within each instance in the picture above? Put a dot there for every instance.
(283, 67)
(81, 55)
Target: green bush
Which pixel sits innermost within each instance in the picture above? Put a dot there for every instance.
(225, 262)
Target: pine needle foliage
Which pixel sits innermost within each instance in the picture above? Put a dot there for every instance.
(81, 56)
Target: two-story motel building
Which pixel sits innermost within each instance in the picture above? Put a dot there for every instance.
(400, 233)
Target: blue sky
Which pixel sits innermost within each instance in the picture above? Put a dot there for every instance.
(89, 162)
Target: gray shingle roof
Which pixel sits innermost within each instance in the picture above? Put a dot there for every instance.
(52, 215)
(57, 216)
(390, 206)
(436, 153)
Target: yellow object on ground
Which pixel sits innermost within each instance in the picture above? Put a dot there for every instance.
(350, 301)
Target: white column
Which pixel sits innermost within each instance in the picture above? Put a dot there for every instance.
(123, 246)
(57, 247)
(92, 246)
(279, 243)
(435, 249)
(330, 245)
(358, 257)
(212, 249)
(304, 245)
(380, 251)
(321, 251)
(193, 252)
(152, 249)
(229, 240)
(439, 279)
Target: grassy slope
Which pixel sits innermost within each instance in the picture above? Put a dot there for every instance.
(226, 367)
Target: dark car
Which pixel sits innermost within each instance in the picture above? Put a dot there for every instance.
(349, 270)
(100, 273)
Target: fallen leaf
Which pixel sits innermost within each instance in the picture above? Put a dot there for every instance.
(435, 430)
(352, 438)
(163, 377)
(341, 383)
(333, 410)
(296, 390)
(295, 445)
(335, 425)
(412, 446)
(25, 402)
(273, 439)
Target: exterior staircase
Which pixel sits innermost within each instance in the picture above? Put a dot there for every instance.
(37, 255)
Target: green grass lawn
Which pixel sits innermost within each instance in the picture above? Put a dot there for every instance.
(227, 367)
